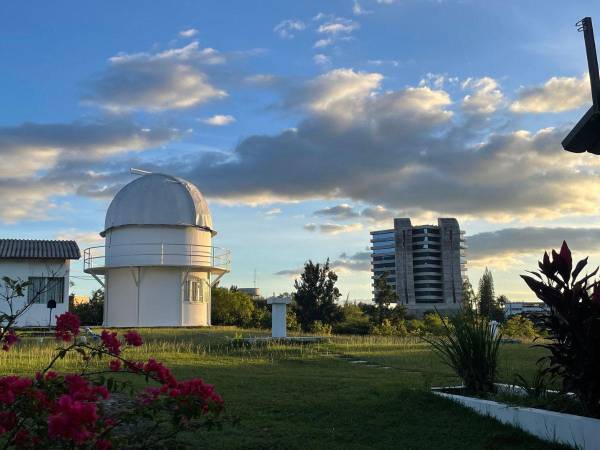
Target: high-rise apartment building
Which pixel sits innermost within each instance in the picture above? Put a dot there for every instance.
(424, 263)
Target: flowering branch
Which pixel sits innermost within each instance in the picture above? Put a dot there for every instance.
(77, 410)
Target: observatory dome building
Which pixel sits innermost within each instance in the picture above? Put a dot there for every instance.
(158, 261)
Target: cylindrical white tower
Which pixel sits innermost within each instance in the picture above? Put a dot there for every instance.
(158, 260)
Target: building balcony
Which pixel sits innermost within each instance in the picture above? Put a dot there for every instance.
(427, 263)
(216, 260)
(419, 289)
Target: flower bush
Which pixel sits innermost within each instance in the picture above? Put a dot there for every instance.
(95, 408)
(573, 324)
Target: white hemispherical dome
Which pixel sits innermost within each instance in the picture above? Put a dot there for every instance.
(158, 199)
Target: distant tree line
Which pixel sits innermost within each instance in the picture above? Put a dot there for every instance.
(316, 308)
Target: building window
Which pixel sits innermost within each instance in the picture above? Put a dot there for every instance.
(197, 290)
(43, 289)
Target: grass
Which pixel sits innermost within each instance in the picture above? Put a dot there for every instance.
(311, 396)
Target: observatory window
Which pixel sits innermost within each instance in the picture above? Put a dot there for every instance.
(43, 289)
(197, 290)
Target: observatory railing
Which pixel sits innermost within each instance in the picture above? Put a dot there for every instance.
(155, 254)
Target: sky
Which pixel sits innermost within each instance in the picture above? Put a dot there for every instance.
(305, 124)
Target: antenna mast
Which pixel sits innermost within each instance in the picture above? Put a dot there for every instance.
(586, 26)
(585, 135)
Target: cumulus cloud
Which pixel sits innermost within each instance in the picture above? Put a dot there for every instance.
(82, 238)
(286, 28)
(172, 79)
(514, 242)
(340, 212)
(290, 272)
(555, 95)
(190, 32)
(358, 10)
(358, 262)
(219, 120)
(485, 98)
(28, 199)
(334, 92)
(404, 150)
(46, 161)
(323, 43)
(321, 60)
(337, 26)
(377, 213)
(333, 228)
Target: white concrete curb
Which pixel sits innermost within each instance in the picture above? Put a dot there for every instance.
(577, 431)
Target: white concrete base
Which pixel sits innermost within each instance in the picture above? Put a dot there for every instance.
(580, 432)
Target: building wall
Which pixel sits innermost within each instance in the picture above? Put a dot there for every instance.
(405, 287)
(157, 245)
(151, 290)
(451, 261)
(153, 296)
(427, 267)
(37, 314)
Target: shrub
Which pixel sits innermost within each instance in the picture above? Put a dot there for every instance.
(470, 348)
(354, 321)
(415, 326)
(519, 326)
(573, 324)
(433, 324)
(387, 328)
(231, 307)
(292, 323)
(318, 327)
(261, 318)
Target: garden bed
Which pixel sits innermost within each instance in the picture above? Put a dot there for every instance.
(575, 430)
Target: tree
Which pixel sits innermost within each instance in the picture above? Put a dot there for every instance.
(468, 297)
(384, 296)
(92, 312)
(486, 294)
(231, 307)
(316, 295)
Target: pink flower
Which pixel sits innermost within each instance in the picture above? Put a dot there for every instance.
(13, 386)
(8, 420)
(9, 340)
(115, 365)
(103, 444)
(110, 341)
(73, 420)
(51, 375)
(162, 373)
(67, 326)
(135, 366)
(133, 338)
(81, 389)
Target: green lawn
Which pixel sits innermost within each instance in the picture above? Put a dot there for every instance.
(312, 396)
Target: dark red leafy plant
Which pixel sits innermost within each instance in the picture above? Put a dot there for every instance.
(94, 408)
(573, 325)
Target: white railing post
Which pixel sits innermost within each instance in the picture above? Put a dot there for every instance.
(162, 253)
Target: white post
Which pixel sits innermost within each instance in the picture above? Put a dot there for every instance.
(278, 316)
(494, 328)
